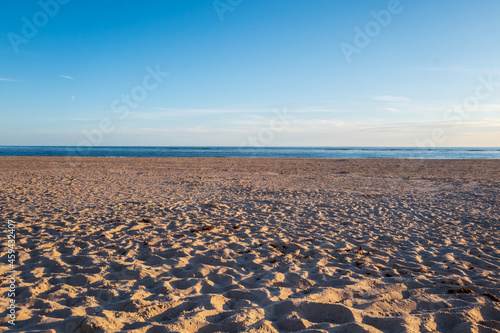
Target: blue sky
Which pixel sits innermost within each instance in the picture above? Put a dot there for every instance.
(424, 74)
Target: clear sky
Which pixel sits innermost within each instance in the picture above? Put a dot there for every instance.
(250, 72)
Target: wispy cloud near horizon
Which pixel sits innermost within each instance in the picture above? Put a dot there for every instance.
(462, 70)
(160, 113)
(389, 98)
(67, 77)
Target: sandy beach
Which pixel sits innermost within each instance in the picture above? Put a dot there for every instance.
(252, 245)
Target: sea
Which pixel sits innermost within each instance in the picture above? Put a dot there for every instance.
(256, 152)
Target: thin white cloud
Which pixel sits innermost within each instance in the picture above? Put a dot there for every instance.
(389, 98)
(197, 129)
(160, 113)
(377, 125)
(190, 130)
(7, 80)
(447, 125)
(319, 132)
(393, 110)
(315, 110)
(461, 70)
(171, 112)
(489, 108)
(67, 77)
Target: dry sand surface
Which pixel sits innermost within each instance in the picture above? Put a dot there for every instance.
(253, 245)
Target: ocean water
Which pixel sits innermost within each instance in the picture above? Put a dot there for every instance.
(291, 152)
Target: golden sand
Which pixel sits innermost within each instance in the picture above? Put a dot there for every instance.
(253, 245)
